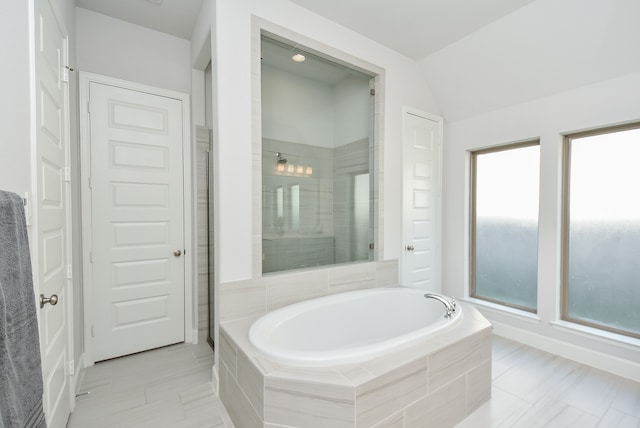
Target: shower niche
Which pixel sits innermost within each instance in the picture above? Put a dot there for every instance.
(318, 158)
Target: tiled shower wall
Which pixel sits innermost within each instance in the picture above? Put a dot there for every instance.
(326, 228)
(349, 160)
(202, 223)
(316, 189)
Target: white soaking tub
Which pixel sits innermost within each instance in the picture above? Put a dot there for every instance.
(348, 327)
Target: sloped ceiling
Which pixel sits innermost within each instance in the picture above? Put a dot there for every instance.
(477, 55)
(415, 28)
(544, 48)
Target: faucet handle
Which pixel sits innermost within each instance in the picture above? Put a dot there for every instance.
(453, 302)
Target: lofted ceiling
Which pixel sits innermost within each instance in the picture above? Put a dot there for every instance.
(415, 28)
(476, 55)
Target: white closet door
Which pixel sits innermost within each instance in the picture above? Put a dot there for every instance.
(422, 146)
(137, 225)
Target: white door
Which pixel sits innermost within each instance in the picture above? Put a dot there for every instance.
(51, 231)
(137, 220)
(422, 158)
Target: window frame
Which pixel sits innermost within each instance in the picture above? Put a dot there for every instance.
(566, 220)
(473, 220)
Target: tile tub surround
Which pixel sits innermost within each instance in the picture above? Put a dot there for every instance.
(433, 382)
(252, 297)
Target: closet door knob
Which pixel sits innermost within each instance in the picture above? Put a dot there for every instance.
(410, 247)
(177, 253)
(53, 300)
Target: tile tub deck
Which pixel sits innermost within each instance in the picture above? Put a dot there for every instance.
(433, 382)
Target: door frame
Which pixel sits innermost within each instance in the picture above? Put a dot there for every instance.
(85, 80)
(419, 113)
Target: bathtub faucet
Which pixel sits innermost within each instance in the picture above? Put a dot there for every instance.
(449, 305)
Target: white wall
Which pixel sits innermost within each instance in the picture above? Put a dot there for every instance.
(605, 103)
(296, 109)
(550, 68)
(15, 84)
(354, 111)
(307, 111)
(232, 53)
(116, 48)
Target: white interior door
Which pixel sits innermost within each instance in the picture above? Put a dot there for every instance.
(137, 220)
(422, 158)
(51, 232)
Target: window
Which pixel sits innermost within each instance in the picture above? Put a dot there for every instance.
(504, 225)
(601, 245)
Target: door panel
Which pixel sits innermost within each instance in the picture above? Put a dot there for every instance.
(137, 224)
(51, 214)
(422, 141)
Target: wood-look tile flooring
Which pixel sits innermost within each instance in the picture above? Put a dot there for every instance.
(171, 387)
(532, 388)
(166, 387)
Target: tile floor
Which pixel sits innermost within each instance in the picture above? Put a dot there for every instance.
(166, 387)
(170, 387)
(532, 388)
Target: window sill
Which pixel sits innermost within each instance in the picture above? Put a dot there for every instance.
(594, 333)
(504, 310)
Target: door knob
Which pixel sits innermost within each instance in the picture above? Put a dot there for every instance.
(410, 247)
(53, 300)
(177, 253)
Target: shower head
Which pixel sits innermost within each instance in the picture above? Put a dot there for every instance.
(280, 158)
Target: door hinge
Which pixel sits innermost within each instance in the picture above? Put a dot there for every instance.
(69, 271)
(65, 73)
(372, 246)
(92, 334)
(27, 208)
(67, 174)
(372, 91)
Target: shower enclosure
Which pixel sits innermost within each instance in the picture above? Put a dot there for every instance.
(317, 159)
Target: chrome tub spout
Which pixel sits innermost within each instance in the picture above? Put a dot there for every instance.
(449, 305)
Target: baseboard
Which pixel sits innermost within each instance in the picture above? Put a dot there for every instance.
(75, 380)
(618, 366)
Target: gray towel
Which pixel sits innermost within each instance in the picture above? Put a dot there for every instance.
(20, 366)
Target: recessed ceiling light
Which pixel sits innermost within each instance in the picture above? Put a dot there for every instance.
(298, 57)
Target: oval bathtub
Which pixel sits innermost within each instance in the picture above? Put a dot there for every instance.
(348, 327)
